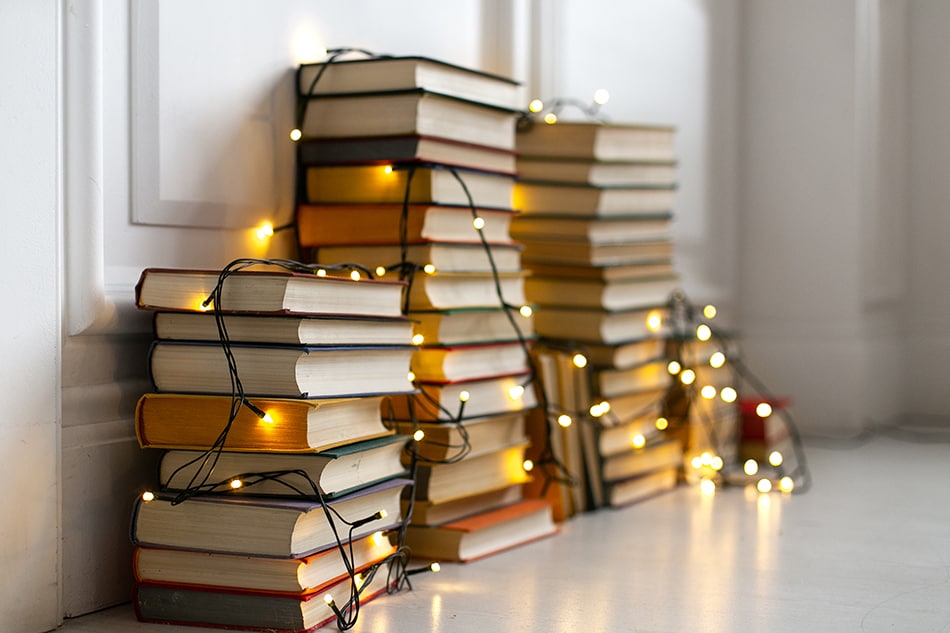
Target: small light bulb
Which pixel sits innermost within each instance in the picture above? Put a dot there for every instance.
(528, 465)
(688, 377)
(377, 538)
(764, 485)
(329, 599)
(786, 484)
(435, 567)
(478, 223)
(716, 463)
(600, 409)
(550, 118)
(535, 106)
(763, 409)
(564, 420)
(321, 272)
(295, 135)
(579, 360)
(707, 487)
(728, 394)
(674, 367)
(411, 376)
(708, 392)
(355, 275)
(265, 230)
(776, 458)
(717, 360)
(706, 458)
(601, 96)
(383, 513)
(388, 169)
(516, 392)
(419, 435)
(464, 396)
(205, 306)
(380, 271)
(236, 483)
(525, 311)
(696, 462)
(654, 321)
(268, 418)
(750, 467)
(429, 269)
(638, 440)
(703, 332)
(418, 339)
(710, 311)
(147, 496)
(662, 424)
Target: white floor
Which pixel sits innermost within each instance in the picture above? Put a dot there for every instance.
(866, 549)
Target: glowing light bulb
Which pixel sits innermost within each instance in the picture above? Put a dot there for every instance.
(321, 272)
(377, 538)
(267, 418)
(388, 169)
(265, 230)
(435, 567)
(763, 409)
(764, 485)
(419, 435)
(688, 377)
(710, 311)
(703, 332)
(418, 339)
(579, 360)
(564, 420)
(717, 360)
(205, 305)
(707, 487)
(550, 118)
(696, 462)
(295, 135)
(478, 223)
(329, 599)
(236, 483)
(662, 424)
(355, 275)
(728, 394)
(706, 458)
(716, 462)
(601, 96)
(147, 496)
(776, 458)
(750, 467)
(380, 271)
(638, 440)
(525, 311)
(708, 392)
(674, 367)
(786, 484)
(429, 269)
(411, 376)
(382, 514)
(535, 106)
(528, 465)
(654, 321)
(464, 396)
(516, 392)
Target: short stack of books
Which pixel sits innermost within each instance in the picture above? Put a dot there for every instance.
(278, 482)
(596, 204)
(407, 167)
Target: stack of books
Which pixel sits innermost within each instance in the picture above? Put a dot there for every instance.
(278, 482)
(596, 206)
(407, 167)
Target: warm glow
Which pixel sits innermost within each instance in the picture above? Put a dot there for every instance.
(429, 269)
(419, 435)
(674, 367)
(703, 332)
(728, 394)
(295, 135)
(267, 417)
(564, 420)
(696, 462)
(764, 485)
(478, 223)
(236, 483)
(205, 305)
(717, 360)
(662, 424)
(388, 169)
(710, 311)
(550, 118)
(708, 392)
(750, 467)
(638, 440)
(305, 44)
(716, 462)
(380, 271)
(355, 275)
(147, 496)
(688, 377)
(601, 96)
(786, 484)
(528, 465)
(579, 360)
(321, 272)
(418, 339)
(535, 106)
(411, 376)
(600, 409)
(328, 599)
(707, 487)
(435, 567)
(383, 513)
(763, 409)
(654, 321)
(516, 392)
(776, 458)
(525, 311)
(464, 396)
(377, 538)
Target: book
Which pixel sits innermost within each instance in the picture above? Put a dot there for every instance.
(591, 201)
(482, 534)
(176, 420)
(634, 404)
(288, 576)
(462, 326)
(263, 526)
(410, 148)
(572, 251)
(635, 489)
(422, 512)
(224, 608)
(400, 73)
(597, 172)
(328, 225)
(409, 112)
(652, 374)
(609, 295)
(260, 291)
(280, 371)
(453, 363)
(592, 325)
(336, 471)
(475, 474)
(625, 354)
(613, 272)
(443, 441)
(651, 228)
(444, 256)
(375, 184)
(620, 438)
(449, 291)
(285, 330)
(441, 401)
(652, 457)
(604, 142)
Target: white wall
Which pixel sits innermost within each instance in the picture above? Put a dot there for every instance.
(30, 319)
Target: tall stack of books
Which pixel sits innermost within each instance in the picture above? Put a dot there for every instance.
(279, 484)
(407, 167)
(596, 206)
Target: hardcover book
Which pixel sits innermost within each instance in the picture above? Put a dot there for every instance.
(603, 142)
(442, 401)
(446, 257)
(588, 200)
